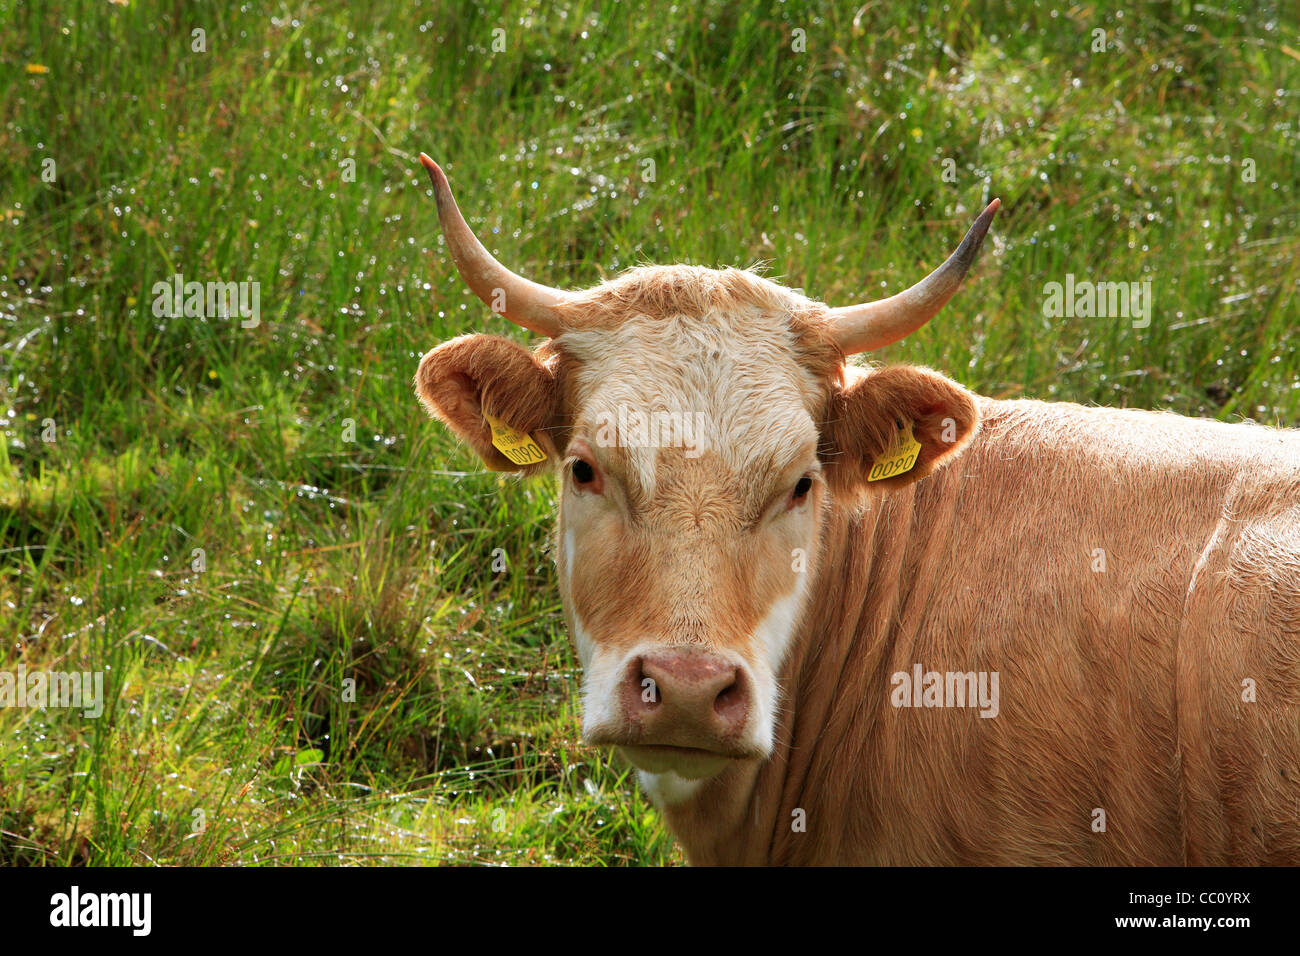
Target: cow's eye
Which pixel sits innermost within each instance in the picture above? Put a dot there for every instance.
(800, 491)
(585, 476)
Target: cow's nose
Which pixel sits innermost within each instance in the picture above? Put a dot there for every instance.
(687, 697)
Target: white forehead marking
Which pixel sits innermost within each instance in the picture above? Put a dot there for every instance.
(732, 378)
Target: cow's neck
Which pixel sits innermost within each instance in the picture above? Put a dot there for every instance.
(756, 814)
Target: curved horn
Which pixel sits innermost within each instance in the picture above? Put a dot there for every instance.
(521, 301)
(860, 328)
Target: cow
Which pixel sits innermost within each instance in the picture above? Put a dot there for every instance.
(861, 615)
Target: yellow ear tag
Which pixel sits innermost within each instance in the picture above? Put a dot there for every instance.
(900, 459)
(515, 445)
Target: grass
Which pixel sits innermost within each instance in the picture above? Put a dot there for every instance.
(290, 578)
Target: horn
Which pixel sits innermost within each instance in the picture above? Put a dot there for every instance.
(524, 303)
(860, 328)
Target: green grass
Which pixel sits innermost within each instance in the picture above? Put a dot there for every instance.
(201, 530)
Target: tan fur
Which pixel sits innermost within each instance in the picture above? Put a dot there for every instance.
(1121, 690)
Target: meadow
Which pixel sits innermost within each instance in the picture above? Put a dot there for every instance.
(327, 635)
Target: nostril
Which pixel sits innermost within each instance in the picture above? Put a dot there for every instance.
(730, 701)
(725, 697)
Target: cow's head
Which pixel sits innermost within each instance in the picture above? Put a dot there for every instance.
(700, 423)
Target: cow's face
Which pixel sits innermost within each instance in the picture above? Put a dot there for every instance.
(700, 423)
(690, 496)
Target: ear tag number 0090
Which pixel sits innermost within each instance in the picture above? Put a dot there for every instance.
(899, 459)
(515, 445)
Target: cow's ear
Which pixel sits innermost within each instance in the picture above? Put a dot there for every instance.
(463, 381)
(864, 439)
